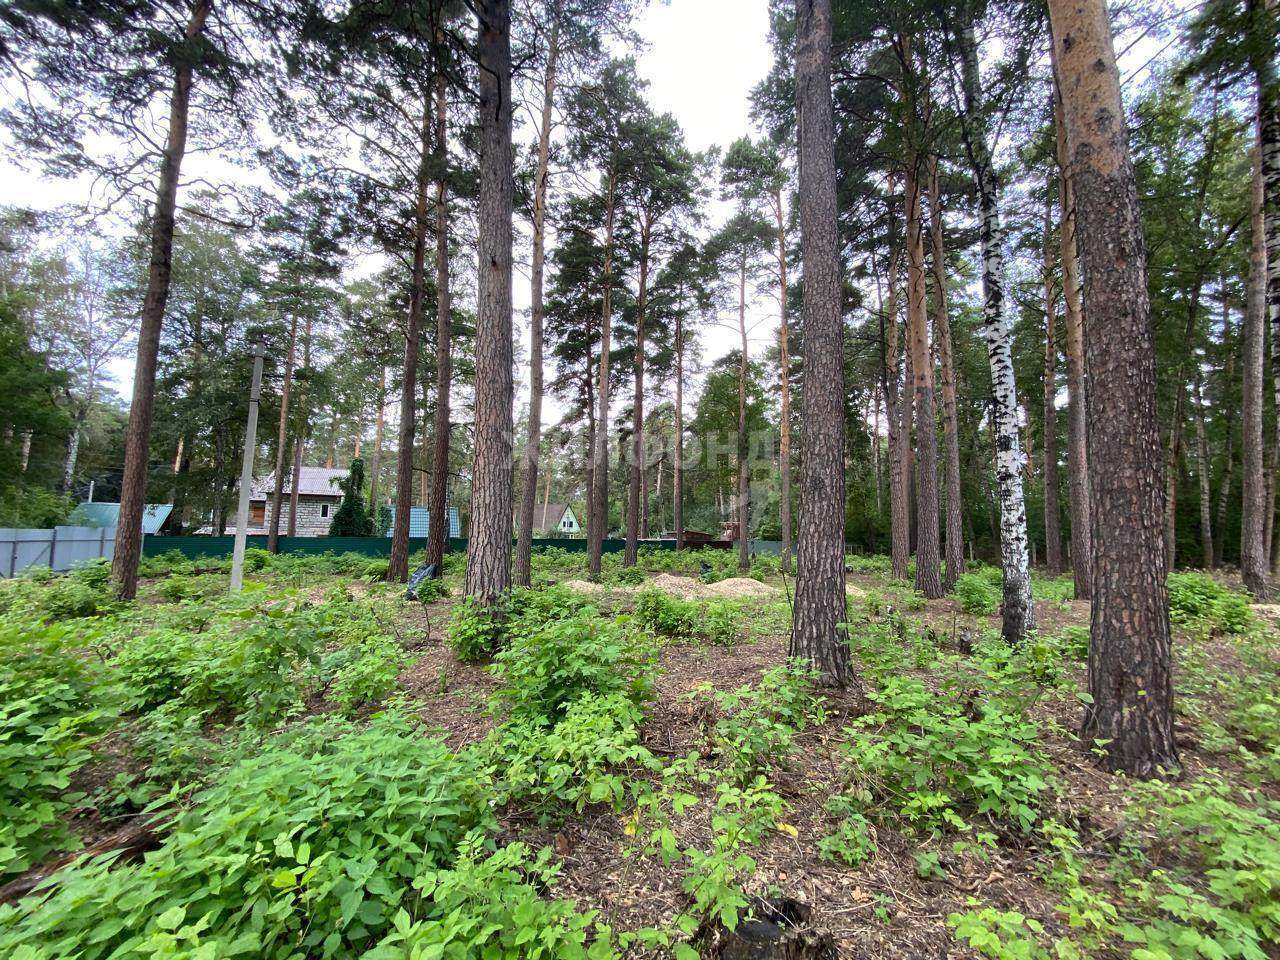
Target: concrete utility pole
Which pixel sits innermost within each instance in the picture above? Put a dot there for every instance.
(246, 469)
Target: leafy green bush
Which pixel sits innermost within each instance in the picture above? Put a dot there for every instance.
(716, 622)
(583, 756)
(1213, 891)
(477, 631)
(628, 576)
(977, 595)
(306, 849)
(177, 588)
(875, 563)
(489, 905)
(247, 664)
(546, 668)
(51, 710)
(1196, 599)
(756, 725)
(935, 758)
(366, 672)
(850, 842)
(999, 934)
(375, 570)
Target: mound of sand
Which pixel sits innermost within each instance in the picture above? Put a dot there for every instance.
(584, 586)
(686, 587)
(738, 587)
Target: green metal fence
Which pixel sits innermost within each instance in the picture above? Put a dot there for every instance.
(196, 546)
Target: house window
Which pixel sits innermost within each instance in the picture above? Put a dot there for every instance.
(324, 511)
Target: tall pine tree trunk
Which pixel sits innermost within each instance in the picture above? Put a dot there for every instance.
(677, 463)
(928, 552)
(635, 493)
(1228, 398)
(398, 564)
(1077, 400)
(1018, 613)
(1267, 116)
(1202, 470)
(598, 514)
(1253, 547)
(282, 437)
(137, 437)
(533, 443)
(302, 431)
(820, 593)
(947, 374)
(895, 398)
(744, 478)
(441, 432)
(1130, 666)
(784, 387)
(375, 462)
(489, 544)
(1052, 514)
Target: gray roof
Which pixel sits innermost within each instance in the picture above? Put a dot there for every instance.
(550, 518)
(312, 481)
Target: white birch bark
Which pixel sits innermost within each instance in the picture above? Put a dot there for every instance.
(997, 329)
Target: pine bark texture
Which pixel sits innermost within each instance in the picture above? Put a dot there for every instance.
(398, 563)
(744, 479)
(537, 312)
(489, 544)
(137, 437)
(1077, 398)
(282, 437)
(947, 375)
(1129, 652)
(895, 398)
(635, 492)
(375, 461)
(441, 431)
(677, 463)
(784, 387)
(598, 512)
(817, 636)
(1017, 612)
(928, 548)
(1206, 485)
(1253, 546)
(1052, 513)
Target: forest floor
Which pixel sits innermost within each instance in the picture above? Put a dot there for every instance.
(648, 734)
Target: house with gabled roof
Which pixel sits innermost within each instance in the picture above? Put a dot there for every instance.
(554, 520)
(318, 499)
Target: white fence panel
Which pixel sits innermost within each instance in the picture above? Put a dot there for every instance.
(60, 548)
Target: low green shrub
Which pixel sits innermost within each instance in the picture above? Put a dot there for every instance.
(177, 588)
(477, 631)
(310, 848)
(585, 754)
(547, 667)
(52, 708)
(715, 621)
(935, 758)
(1198, 600)
(365, 673)
(489, 904)
(247, 664)
(756, 725)
(1212, 891)
(977, 595)
(375, 570)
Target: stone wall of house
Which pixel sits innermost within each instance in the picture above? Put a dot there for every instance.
(310, 521)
